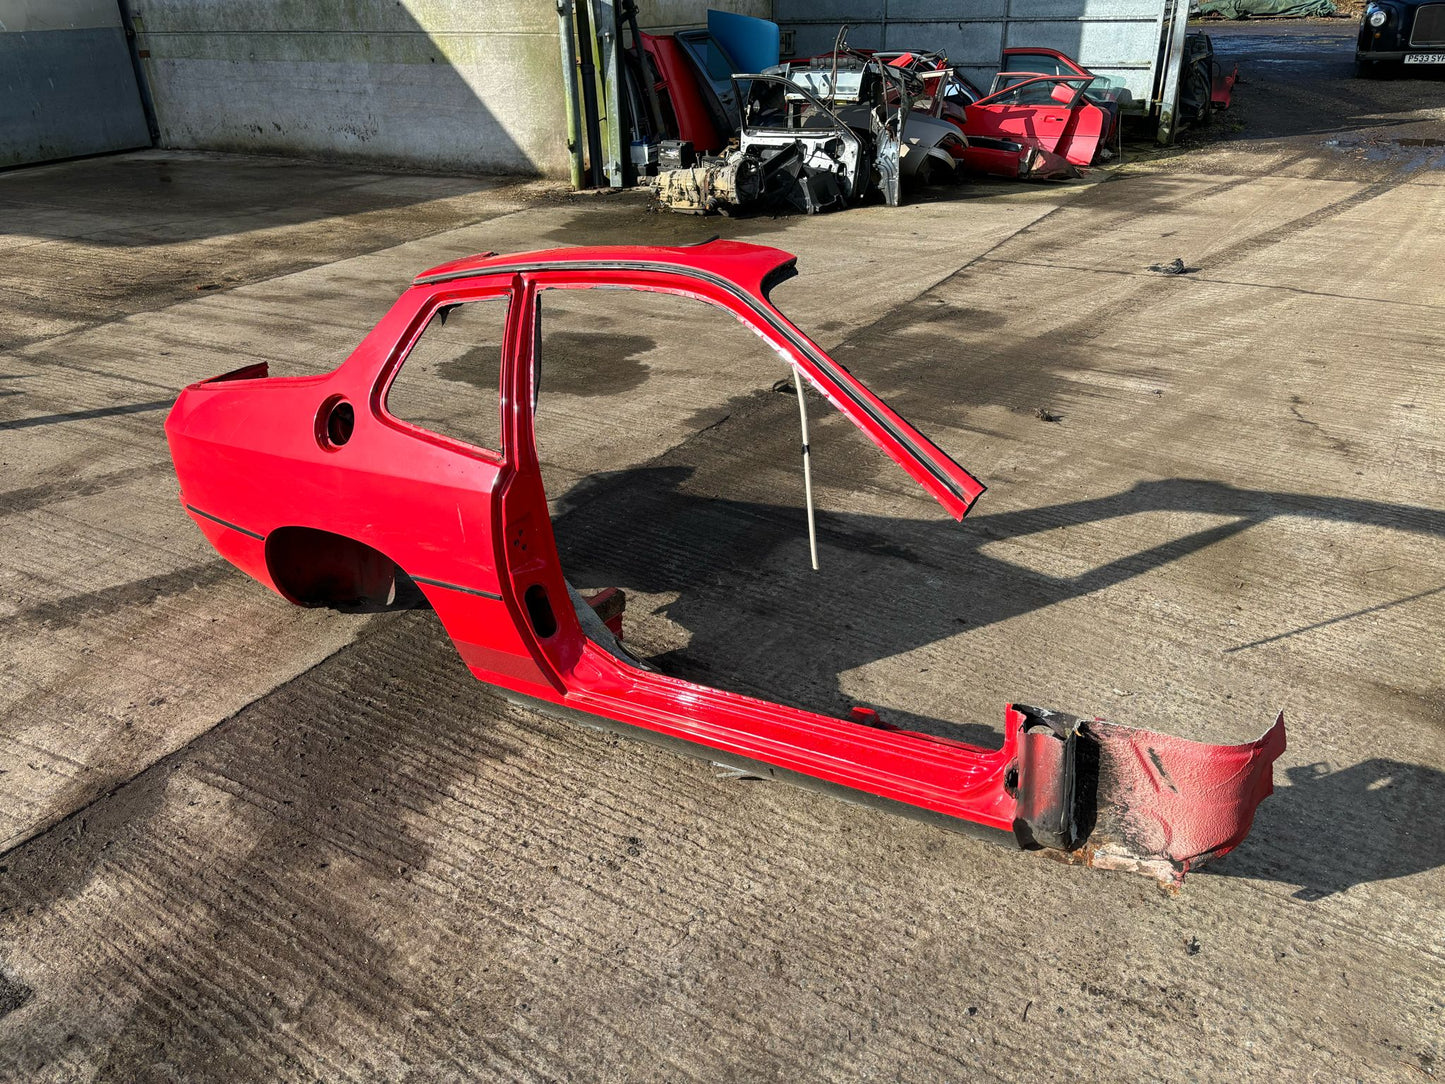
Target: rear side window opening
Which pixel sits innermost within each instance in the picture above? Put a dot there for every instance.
(450, 380)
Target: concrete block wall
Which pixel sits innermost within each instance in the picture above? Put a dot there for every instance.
(435, 84)
(448, 85)
(665, 16)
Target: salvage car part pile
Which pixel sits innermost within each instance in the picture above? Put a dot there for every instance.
(628, 92)
(914, 117)
(825, 134)
(313, 486)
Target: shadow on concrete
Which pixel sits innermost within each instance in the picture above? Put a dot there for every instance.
(391, 100)
(166, 198)
(642, 528)
(83, 415)
(338, 801)
(1331, 829)
(765, 625)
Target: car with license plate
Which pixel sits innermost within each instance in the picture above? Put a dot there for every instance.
(1400, 35)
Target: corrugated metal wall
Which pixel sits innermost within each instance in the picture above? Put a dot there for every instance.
(67, 84)
(1117, 39)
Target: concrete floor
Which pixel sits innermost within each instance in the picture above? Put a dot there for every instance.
(250, 841)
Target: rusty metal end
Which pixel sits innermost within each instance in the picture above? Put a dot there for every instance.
(1160, 870)
(1115, 797)
(1164, 805)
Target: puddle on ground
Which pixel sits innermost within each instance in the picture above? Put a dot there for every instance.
(1407, 152)
(1254, 46)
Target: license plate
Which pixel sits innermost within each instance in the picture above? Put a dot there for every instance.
(1425, 58)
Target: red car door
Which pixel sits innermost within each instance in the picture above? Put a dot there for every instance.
(1100, 107)
(1044, 111)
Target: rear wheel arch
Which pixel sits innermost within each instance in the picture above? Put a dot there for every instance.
(312, 567)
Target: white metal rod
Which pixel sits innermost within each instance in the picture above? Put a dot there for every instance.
(807, 468)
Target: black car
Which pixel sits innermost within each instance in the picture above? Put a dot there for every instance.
(1396, 32)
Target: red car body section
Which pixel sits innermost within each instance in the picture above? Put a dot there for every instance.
(677, 87)
(1062, 124)
(309, 485)
(1066, 124)
(1037, 120)
(1095, 124)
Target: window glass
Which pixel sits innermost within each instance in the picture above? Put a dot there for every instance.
(450, 382)
(1038, 63)
(1035, 94)
(960, 91)
(720, 66)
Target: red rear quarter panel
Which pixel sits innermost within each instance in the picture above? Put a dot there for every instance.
(249, 461)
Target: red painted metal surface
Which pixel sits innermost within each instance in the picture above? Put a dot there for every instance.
(1173, 798)
(310, 486)
(1070, 128)
(1097, 119)
(679, 86)
(1039, 127)
(1221, 90)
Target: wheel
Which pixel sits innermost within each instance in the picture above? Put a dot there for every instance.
(1201, 84)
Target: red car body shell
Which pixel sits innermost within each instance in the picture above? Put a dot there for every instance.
(259, 466)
